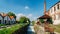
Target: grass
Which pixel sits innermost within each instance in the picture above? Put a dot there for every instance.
(2, 25)
(12, 28)
(56, 28)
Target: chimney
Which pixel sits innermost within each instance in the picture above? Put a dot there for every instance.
(44, 6)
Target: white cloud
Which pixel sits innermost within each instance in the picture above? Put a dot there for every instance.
(34, 18)
(19, 15)
(26, 7)
(30, 16)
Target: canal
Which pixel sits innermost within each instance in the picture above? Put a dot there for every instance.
(30, 29)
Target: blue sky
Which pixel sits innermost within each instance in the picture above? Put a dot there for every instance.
(30, 8)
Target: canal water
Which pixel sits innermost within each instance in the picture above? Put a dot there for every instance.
(30, 29)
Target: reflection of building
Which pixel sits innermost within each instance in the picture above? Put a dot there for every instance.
(54, 12)
(6, 19)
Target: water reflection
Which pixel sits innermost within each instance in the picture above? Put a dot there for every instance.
(30, 29)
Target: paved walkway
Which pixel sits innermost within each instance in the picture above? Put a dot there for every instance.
(6, 26)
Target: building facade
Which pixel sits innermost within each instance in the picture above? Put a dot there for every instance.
(6, 19)
(1, 19)
(54, 12)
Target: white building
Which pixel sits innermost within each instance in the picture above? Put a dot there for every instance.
(12, 20)
(54, 12)
(1, 19)
(5, 19)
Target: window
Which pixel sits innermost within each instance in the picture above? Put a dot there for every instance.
(51, 10)
(58, 16)
(54, 9)
(58, 6)
(54, 17)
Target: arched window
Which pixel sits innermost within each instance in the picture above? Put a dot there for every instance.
(54, 17)
(54, 9)
(58, 16)
(51, 10)
(58, 6)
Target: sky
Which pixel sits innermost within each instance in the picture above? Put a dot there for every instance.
(29, 8)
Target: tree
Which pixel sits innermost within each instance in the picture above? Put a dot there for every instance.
(50, 21)
(41, 20)
(33, 22)
(24, 19)
(11, 14)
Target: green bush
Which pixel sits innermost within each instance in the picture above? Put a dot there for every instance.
(2, 24)
(41, 20)
(33, 22)
(49, 20)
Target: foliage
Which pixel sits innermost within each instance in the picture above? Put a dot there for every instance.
(2, 24)
(41, 20)
(24, 19)
(11, 14)
(50, 21)
(33, 22)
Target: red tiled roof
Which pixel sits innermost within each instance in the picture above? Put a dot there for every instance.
(44, 17)
(11, 17)
(4, 15)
